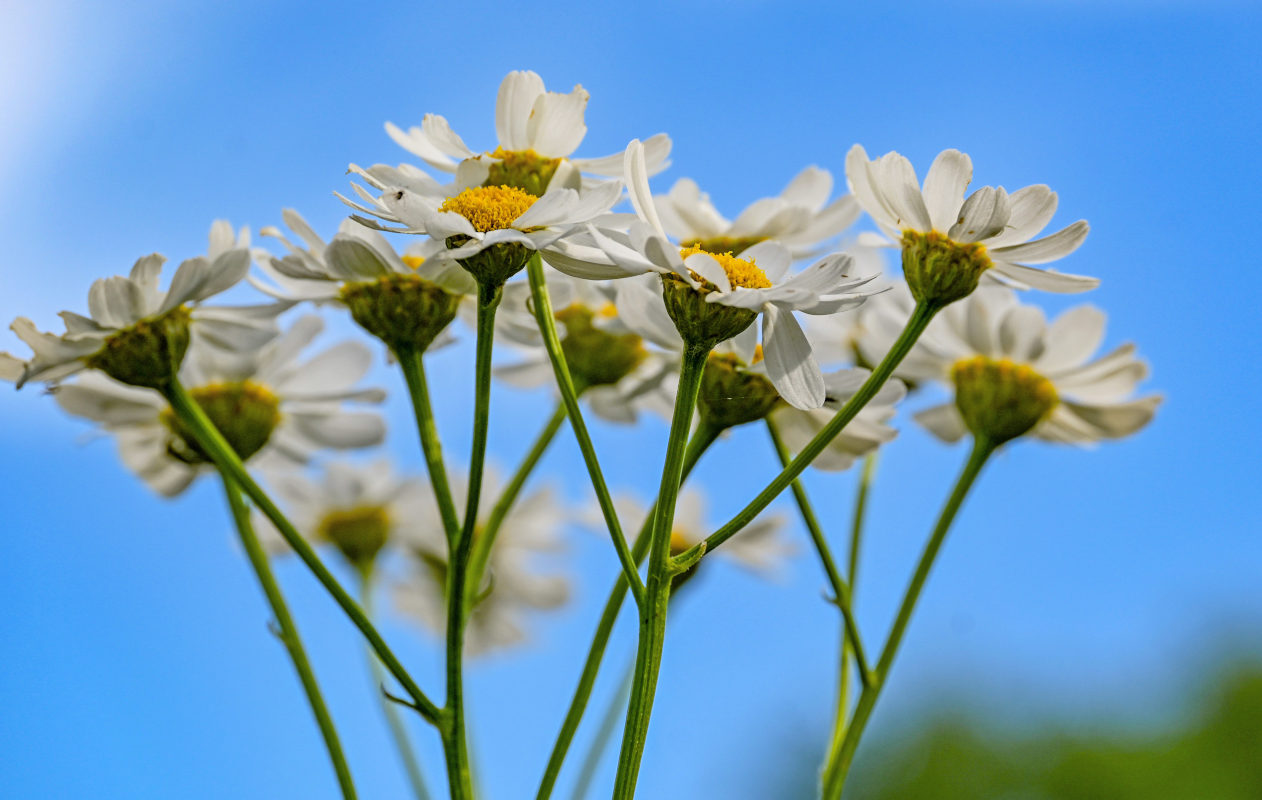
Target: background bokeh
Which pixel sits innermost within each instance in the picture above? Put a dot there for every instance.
(1094, 592)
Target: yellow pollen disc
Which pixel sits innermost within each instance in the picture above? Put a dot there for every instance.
(732, 245)
(740, 272)
(490, 208)
(608, 311)
(414, 262)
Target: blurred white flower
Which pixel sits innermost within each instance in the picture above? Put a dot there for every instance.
(511, 586)
(267, 404)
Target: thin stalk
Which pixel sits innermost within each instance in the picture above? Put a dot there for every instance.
(916, 324)
(289, 636)
(394, 721)
(852, 573)
(704, 436)
(604, 734)
(229, 464)
(648, 659)
(454, 741)
(484, 540)
(413, 366)
(839, 762)
(569, 396)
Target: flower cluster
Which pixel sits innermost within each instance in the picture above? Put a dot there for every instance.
(646, 310)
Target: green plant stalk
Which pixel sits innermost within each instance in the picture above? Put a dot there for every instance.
(454, 742)
(920, 318)
(413, 366)
(839, 761)
(841, 591)
(704, 436)
(661, 571)
(223, 456)
(852, 573)
(604, 734)
(289, 636)
(482, 545)
(569, 397)
(394, 721)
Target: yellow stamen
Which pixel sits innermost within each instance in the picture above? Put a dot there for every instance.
(740, 272)
(490, 208)
(414, 262)
(732, 245)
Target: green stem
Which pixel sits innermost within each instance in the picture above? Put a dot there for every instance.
(704, 436)
(840, 760)
(229, 464)
(413, 366)
(569, 397)
(604, 734)
(482, 545)
(648, 659)
(454, 741)
(289, 636)
(394, 721)
(852, 573)
(916, 324)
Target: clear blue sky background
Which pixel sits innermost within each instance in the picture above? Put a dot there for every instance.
(135, 662)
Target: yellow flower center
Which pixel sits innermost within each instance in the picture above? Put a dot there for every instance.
(524, 169)
(740, 272)
(490, 208)
(414, 262)
(679, 542)
(359, 533)
(1000, 399)
(732, 245)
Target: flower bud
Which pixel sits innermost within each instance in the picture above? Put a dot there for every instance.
(358, 533)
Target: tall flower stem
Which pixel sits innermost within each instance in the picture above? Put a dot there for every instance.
(494, 520)
(289, 636)
(569, 396)
(661, 571)
(840, 759)
(413, 366)
(920, 318)
(704, 436)
(852, 573)
(229, 464)
(841, 590)
(394, 720)
(453, 728)
(604, 734)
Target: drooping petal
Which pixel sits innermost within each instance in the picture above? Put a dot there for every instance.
(791, 367)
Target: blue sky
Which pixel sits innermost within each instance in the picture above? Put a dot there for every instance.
(1088, 584)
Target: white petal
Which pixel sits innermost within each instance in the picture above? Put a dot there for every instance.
(1049, 248)
(515, 101)
(1072, 338)
(943, 421)
(945, 183)
(638, 186)
(790, 364)
(556, 127)
(1049, 280)
(810, 188)
(983, 215)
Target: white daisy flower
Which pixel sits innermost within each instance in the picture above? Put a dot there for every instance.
(489, 228)
(988, 233)
(867, 431)
(511, 586)
(536, 131)
(267, 405)
(136, 330)
(1010, 368)
(800, 218)
(755, 283)
(617, 369)
(359, 509)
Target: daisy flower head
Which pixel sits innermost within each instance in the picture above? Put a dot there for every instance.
(359, 509)
(138, 333)
(800, 218)
(511, 585)
(714, 297)
(405, 300)
(537, 131)
(617, 369)
(267, 404)
(949, 241)
(1013, 373)
(489, 229)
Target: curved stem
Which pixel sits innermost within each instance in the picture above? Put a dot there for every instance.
(648, 658)
(839, 762)
(394, 721)
(841, 591)
(482, 544)
(916, 324)
(229, 464)
(604, 734)
(454, 741)
(413, 366)
(704, 436)
(288, 633)
(569, 397)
